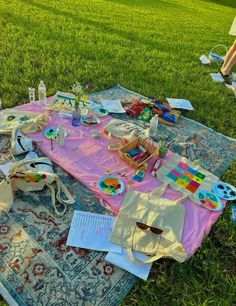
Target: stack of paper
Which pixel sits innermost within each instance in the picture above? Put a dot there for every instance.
(180, 103)
(92, 231)
(122, 260)
(113, 106)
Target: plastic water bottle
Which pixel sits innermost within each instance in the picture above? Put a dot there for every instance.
(42, 92)
(153, 126)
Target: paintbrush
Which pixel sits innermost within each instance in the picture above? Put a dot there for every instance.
(51, 144)
(170, 143)
(165, 143)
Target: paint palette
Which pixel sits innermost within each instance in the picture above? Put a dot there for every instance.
(186, 177)
(90, 120)
(209, 200)
(99, 111)
(225, 191)
(111, 185)
(51, 133)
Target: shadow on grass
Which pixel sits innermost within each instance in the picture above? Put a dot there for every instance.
(229, 3)
(147, 3)
(103, 27)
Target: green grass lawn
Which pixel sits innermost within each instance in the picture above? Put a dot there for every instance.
(151, 47)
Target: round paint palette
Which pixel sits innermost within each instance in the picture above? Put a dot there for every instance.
(224, 191)
(51, 133)
(209, 200)
(99, 111)
(90, 120)
(111, 185)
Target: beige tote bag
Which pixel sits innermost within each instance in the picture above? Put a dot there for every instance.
(34, 175)
(150, 224)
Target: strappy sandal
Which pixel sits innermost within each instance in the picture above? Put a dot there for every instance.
(227, 77)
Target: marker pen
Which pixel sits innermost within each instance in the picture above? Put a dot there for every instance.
(155, 167)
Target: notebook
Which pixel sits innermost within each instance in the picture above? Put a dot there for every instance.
(233, 28)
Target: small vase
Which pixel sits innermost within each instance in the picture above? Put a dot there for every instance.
(76, 116)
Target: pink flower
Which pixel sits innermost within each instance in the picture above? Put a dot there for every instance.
(89, 86)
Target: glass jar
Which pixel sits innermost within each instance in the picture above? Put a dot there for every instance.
(76, 116)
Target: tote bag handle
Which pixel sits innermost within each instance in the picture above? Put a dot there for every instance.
(219, 45)
(164, 252)
(60, 187)
(160, 190)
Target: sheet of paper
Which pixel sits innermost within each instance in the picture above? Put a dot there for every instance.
(94, 105)
(91, 231)
(5, 168)
(204, 60)
(113, 106)
(180, 103)
(31, 155)
(122, 260)
(233, 28)
(216, 77)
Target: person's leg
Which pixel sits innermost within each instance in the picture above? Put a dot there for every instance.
(227, 68)
(228, 57)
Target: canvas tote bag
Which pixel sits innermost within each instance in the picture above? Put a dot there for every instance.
(13, 125)
(163, 220)
(28, 122)
(185, 176)
(119, 128)
(34, 175)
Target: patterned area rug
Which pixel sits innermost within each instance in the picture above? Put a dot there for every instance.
(37, 268)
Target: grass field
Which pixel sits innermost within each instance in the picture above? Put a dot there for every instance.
(151, 47)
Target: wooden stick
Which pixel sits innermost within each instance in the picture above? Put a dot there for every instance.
(51, 144)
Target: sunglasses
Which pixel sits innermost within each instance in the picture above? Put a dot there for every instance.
(144, 227)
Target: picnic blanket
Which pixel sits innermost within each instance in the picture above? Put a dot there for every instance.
(87, 159)
(33, 251)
